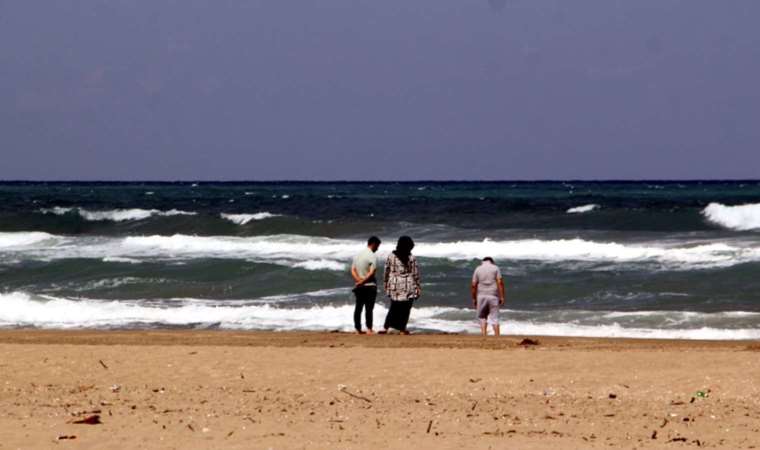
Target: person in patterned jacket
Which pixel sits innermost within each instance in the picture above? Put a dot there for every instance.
(402, 285)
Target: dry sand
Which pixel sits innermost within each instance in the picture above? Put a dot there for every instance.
(230, 390)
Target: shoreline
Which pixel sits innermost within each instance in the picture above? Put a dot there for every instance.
(233, 338)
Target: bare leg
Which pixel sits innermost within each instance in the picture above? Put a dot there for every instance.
(484, 328)
(496, 330)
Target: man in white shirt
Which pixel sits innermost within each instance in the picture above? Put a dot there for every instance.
(363, 271)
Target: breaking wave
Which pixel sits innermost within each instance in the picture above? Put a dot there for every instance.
(242, 219)
(115, 215)
(740, 218)
(22, 310)
(317, 253)
(583, 209)
(23, 239)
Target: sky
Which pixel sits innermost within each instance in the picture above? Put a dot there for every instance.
(379, 90)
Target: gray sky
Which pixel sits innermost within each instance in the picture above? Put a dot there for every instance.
(381, 90)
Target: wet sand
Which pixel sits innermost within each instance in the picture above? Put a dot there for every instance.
(235, 390)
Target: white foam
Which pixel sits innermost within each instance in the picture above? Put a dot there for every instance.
(618, 331)
(583, 209)
(740, 218)
(57, 210)
(297, 248)
(320, 264)
(242, 219)
(22, 239)
(21, 309)
(712, 254)
(119, 259)
(333, 254)
(117, 215)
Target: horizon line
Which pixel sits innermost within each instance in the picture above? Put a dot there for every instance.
(324, 181)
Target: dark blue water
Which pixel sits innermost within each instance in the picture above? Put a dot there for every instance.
(672, 259)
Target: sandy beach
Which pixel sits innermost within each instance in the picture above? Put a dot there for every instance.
(215, 389)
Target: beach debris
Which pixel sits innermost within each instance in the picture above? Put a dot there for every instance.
(81, 413)
(230, 434)
(612, 396)
(343, 389)
(664, 422)
(190, 427)
(678, 439)
(430, 425)
(82, 388)
(475, 380)
(115, 388)
(89, 420)
(704, 393)
(549, 392)
(64, 437)
(528, 341)
(103, 364)
(654, 434)
(474, 405)
(159, 390)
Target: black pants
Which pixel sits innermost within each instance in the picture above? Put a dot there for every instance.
(365, 298)
(398, 315)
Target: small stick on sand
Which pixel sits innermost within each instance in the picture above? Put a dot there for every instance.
(103, 364)
(351, 394)
(430, 425)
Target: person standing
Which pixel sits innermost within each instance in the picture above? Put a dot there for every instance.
(363, 271)
(487, 291)
(402, 285)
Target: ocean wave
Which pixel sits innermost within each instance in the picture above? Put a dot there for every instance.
(242, 219)
(22, 239)
(333, 254)
(298, 248)
(320, 264)
(583, 209)
(119, 259)
(708, 254)
(116, 215)
(740, 218)
(23, 309)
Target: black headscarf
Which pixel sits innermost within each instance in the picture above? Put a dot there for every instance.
(404, 249)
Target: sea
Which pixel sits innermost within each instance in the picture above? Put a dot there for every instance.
(650, 259)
